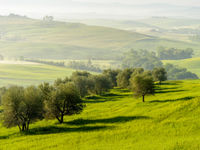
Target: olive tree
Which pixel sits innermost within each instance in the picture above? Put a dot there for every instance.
(142, 85)
(123, 78)
(22, 106)
(81, 81)
(63, 100)
(159, 74)
(101, 83)
(112, 74)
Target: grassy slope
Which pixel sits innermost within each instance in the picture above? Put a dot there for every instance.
(145, 26)
(191, 64)
(169, 120)
(164, 22)
(60, 40)
(34, 38)
(27, 74)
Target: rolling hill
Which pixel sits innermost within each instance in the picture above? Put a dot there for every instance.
(181, 29)
(24, 74)
(21, 36)
(169, 120)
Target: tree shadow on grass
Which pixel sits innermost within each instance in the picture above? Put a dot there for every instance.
(172, 83)
(168, 91)
(173, 100)
(4, 137)
(56, 129)
(165, 88)
(120, 90)
(103, 98)
(120, 119)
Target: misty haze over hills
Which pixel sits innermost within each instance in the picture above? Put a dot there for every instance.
(112, 9)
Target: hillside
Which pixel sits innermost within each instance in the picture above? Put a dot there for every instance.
(181, 29)
(170, 23)
(21, 36)
(191, 64)
(169, 120)
(24, 74)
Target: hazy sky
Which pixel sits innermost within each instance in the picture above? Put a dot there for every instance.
(101, 7)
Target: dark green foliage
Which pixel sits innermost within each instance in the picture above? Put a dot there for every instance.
(176, 73)
(82, 82)
(149, 61)
(142, 58)
(81, 73)
(138, 71)
(2, 92)
(112, 74)
(46, 89)
(123, 78)
(59, 81)
(142, 85)
(101, 84)
(63, 100)
(174, 54)
(159, 74)
(22, 106)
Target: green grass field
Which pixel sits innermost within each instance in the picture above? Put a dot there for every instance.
(28, 74)
(117, 121)
(192, 64)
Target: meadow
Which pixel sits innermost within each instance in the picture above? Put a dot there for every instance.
(169, 120)
(30, 73)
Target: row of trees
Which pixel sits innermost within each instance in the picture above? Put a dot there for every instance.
(174, 53)
(81, 65)
(22, 106)
(47, 62)
(142, 58)
(149, 60)
(176, 73)
(125, 76)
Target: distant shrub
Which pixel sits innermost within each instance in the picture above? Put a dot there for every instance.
(176, 73)
(81, 65)
(174, 53)
(159, 74)
(141, 59)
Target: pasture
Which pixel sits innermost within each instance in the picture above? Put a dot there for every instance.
(169, 120)
(23, 73)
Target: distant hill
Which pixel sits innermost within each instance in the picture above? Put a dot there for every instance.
(169, 23)
(192, 64)
(21, 36)
(119, 24)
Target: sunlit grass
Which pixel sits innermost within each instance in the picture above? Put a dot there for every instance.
(117, 120)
